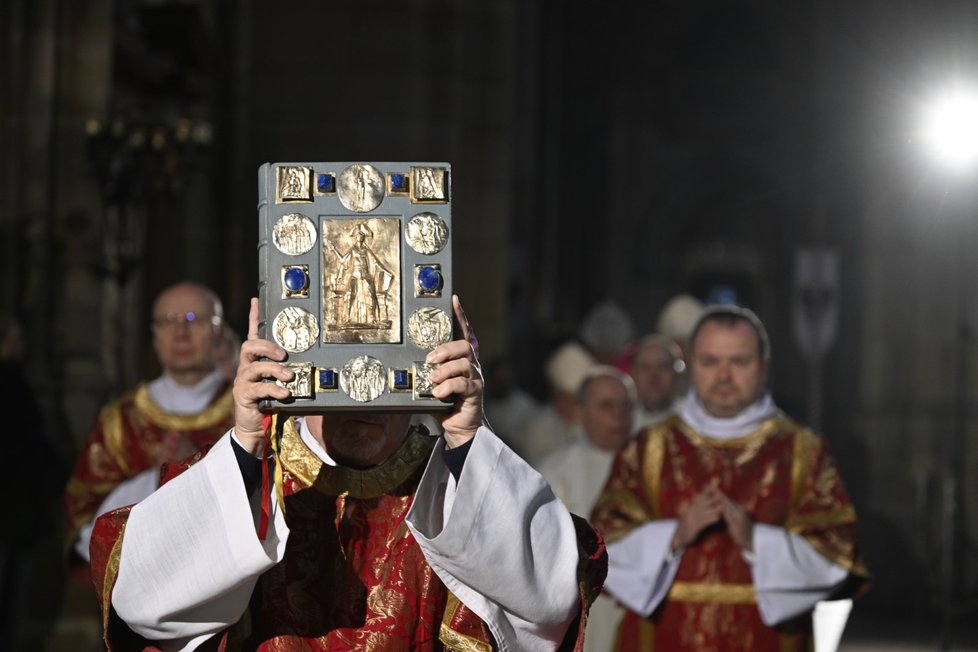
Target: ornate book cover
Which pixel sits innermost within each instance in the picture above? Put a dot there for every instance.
(355, 269)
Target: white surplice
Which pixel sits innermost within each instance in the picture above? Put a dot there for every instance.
(499, 539)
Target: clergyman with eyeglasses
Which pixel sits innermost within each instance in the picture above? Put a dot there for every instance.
(187, 408)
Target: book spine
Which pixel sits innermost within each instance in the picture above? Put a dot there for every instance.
(264, 233)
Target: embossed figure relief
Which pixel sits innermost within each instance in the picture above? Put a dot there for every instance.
(294, 183)
(295, 329)
(429, 327)
(360, 187)
(428, 184)
(426, 233)
(362, 378)
(294, 234)
(361, 279)
(423, 385)
(301, 385)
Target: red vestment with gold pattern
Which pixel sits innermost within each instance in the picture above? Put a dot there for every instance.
(353, 577)
(781, 473)
(126, 439)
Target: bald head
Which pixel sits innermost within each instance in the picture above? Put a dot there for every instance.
(607, 402)
(188, 320)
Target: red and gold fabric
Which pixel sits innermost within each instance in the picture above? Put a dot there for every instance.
(126, 439)
(784, 476)
(353, 577)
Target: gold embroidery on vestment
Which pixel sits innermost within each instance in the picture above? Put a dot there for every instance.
(716, 593)
(456, 641)
(211, 416)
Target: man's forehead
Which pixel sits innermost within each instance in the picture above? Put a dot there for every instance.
(606, 388)
(181, 299)
(712, 333)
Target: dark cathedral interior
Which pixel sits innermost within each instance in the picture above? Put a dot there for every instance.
(765, 153)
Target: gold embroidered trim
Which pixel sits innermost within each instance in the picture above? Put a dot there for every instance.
(456, 641)
(714, 593)
(366, 483)
(655, 452)
(218, 410)
(111, 418)
(111, 573)
(646, 636)
(842, 516)
(805, 447)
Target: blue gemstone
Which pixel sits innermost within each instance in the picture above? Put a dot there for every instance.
(429, 279)
(296, 279)
(398, 182)
(327, 379)
(401, 379)
(325, 182)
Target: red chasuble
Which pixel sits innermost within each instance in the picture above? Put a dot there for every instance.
(782, 473)
(353, 577)
(127, 439)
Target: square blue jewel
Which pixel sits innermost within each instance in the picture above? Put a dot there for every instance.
(399, 182)
(400, 379)
(327, 379)
(325, 182)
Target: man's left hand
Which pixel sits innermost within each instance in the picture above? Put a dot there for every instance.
(740, 525)
(459, 375)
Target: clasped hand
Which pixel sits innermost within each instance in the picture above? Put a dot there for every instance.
(708, 507)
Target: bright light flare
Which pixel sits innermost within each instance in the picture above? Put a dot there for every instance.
(951, 129)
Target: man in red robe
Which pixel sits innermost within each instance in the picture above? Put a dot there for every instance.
(374, 534)
(187, 408)
(728, 522)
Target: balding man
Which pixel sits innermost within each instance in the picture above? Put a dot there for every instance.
(188, 407)
(578, 471)
(656, 366)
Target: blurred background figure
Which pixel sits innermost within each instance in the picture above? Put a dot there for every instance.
(656, 365)
(508, 406)
(187, 408)
(730, 514)
(676, 320)
(607, 330)
(577, 472)
(557, 421)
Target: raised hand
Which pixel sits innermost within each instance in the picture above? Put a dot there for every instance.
(459, 375)
(259, 360)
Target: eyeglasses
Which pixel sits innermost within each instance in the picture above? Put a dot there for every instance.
(170, 321)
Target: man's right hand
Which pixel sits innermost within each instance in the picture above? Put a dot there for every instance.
(260, 360)
(704, 510)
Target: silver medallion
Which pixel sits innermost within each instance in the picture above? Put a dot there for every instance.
(295, 329)
(294, 234)
(360, 187)
(426, 233)
(363, 378)
(428, 327)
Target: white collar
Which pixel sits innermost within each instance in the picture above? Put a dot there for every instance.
(691, 411)
(312, 442)
(175, 398)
